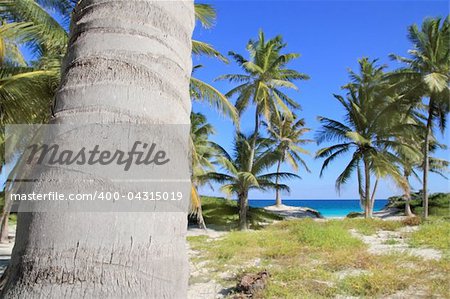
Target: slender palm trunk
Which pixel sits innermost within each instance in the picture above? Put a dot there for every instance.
(255, 131)
(367, 199)
(4, 222)
(254, 139)
(372, 199)
(407, 196)
(278, 195)
(200, 221)
(198, 210)
(4, 230)
(360, 189)
(243, 209)
(128, 62)
(426, 159)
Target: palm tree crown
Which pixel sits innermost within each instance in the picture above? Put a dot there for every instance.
(239, 181)
(265, 75)
(287, 134)
(427, 76)
(368, 132)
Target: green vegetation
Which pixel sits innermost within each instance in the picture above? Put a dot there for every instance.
(265, 76)
(372, 123)
(12, 219)
(311, 259)
(287, 134)
(369, 226)
(222, 214)
(435, 233)
(383, 127)
(238, 180)
(439, 204)
(425, 77)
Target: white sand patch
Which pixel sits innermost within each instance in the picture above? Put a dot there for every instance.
(290, 212)
(385, 242)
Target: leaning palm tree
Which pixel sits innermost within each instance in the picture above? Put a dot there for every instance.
(427, 75)
(239, 181)
(369, 116)
(287, 133)
(410, 164)
(265, 76)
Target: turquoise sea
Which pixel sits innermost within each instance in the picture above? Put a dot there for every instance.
(327, 207)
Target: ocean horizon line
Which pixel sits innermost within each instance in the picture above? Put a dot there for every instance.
(318, 199)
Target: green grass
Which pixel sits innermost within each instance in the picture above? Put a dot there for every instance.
(434, 233)
(391, 242)
(305, 259)
(222, 214)
(370, 226)
(12, 219)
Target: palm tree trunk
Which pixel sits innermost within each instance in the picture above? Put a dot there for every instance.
(255, 132)
(128, 62)
(243, 209)
(426, 159)
(200, 221)
(254, 139)
(372, 200)
(360, 189)
(367, 200)
(278, 196)
(4, 222)
(407, 196)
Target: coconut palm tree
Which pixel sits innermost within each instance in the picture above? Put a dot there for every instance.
(54, 37)
(369, 119)
(265, 75)
(141, 255)
(410, 164)
(27, 91)
(287, 133)
(239, 181)
(427, 75)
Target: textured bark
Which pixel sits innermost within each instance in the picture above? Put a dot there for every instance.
(243, 209)
(128, 61)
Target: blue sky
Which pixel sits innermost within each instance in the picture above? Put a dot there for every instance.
(330, 36)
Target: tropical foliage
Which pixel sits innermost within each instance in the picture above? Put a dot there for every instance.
(204, 156)
(265, 76)
(373, 118)
(427, 76)
(388, 127)
(287, 134)
(236, 178)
